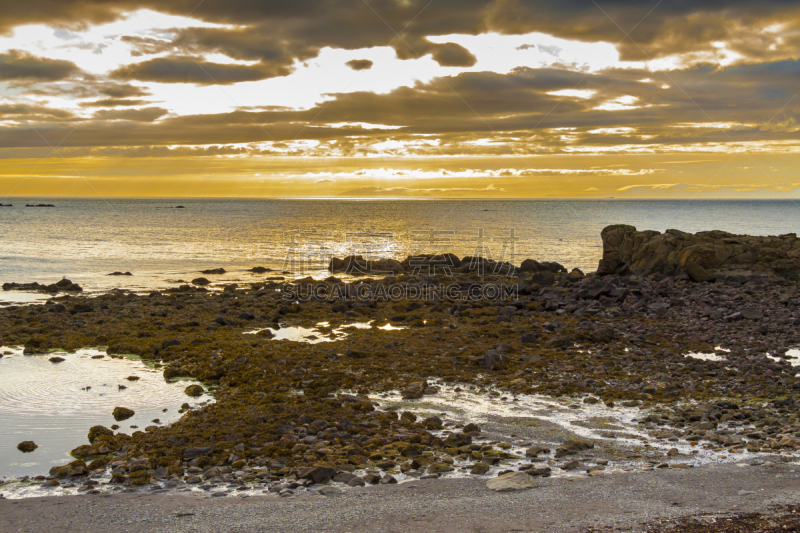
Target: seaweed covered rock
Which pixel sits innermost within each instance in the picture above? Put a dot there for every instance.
(75, 468)
(97, 432)
(122, 413)
(194, 391)
(64, 285)
(27, 446)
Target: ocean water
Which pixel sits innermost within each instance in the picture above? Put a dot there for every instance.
(86, 239)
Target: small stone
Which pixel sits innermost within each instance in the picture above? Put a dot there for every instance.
(356, 482)
(572, 465)
(329, 491)
(56, 359)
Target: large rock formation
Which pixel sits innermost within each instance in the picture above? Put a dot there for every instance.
(700, 255)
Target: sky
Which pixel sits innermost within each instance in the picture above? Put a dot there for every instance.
(400, 98)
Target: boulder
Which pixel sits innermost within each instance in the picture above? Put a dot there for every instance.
(702, 256)
(511, 481)
(194, 391)
(317, 474)
(122, 413)
(193, 453)
(698, 273)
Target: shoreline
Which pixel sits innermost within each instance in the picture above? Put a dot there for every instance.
(622, 502)
(570, 376)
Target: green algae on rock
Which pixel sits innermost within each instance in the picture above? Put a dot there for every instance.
(287, 406)
(194, 390)
(122, 413)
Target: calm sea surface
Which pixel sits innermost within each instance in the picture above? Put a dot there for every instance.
(85, 239)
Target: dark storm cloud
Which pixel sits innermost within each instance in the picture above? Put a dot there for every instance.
(32, 112)
(16, 65)
(182, 69)
(360, 64)
(279, 34)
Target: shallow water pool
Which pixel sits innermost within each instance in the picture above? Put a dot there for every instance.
(55, 404)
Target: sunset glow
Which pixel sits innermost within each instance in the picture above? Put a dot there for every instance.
(500, 99)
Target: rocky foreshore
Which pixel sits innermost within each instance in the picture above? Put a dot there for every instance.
(290, 415)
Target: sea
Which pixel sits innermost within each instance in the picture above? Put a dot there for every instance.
(163, 242)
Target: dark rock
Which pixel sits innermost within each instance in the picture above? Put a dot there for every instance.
(120, 274)
(372, 479)
(544, 278)
(317, 474)
(247, 316)
(480, 469)
(259, 270)
(356, 482)
(672, 252)
(27, 446)
(122, 413)
(200, 281)
(194, 390)
(344, 477)
(215, 271)
(493, 359)
(193, 453)
(698, 273)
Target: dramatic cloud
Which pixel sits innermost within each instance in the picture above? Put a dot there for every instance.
(182, 69)
(445, 80)
(148, 114)
(17, 65)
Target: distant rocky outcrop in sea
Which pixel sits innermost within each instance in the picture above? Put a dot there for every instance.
(436, 264)
(702, 256)
(64, 285)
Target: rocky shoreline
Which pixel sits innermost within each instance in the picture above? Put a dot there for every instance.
(369, 407)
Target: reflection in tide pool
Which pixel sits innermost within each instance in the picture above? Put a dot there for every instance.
(321, 333)
(55, 404)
